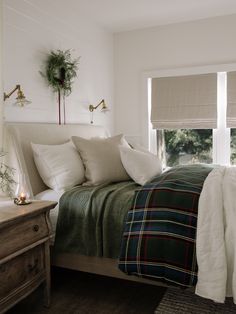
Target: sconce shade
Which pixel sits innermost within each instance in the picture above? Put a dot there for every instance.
(21, 100)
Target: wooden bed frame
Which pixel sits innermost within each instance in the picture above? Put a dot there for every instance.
(19, 137)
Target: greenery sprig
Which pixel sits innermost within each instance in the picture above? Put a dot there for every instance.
(7, 182)
(60, 70)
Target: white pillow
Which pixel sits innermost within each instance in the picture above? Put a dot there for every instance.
(141, 166)
(59, 166)
(101, 158)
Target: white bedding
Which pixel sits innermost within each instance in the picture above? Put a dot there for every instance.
(216, 236)
(51, 195)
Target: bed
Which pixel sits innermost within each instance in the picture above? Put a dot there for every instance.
(19, 137)
(217, 200)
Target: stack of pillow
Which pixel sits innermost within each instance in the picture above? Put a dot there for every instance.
(93, 162)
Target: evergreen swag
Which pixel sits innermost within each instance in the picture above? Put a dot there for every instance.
(60, 71)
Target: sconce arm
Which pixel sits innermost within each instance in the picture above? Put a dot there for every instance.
(5, 96)
(92, 108)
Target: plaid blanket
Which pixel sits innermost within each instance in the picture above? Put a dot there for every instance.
(160, 231)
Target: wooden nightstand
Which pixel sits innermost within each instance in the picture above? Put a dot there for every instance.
(25, 233)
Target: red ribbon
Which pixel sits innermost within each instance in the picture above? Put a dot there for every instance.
(59, 106)
(64, 108)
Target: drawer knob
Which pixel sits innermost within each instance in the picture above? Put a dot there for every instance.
(36, 228)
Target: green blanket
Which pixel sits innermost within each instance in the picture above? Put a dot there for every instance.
(91, 219)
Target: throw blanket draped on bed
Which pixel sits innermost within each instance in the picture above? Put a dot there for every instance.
(216, 236)
(91, 219)
(159, 237)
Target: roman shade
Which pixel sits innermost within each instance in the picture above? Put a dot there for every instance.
(231, 100)
(184, 102)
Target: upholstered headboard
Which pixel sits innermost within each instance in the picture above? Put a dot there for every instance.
(20, 135)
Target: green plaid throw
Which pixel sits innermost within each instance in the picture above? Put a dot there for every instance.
(160, 231)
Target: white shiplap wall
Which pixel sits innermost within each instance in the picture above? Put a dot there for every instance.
(33, 28)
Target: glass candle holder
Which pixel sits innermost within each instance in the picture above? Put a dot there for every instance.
(22, 192)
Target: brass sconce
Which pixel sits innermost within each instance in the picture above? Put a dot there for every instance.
(103, 109)
(21, 100)
(102, 102)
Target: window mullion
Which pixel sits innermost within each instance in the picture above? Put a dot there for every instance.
(221, 135)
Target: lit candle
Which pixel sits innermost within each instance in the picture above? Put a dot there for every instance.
(22, 197)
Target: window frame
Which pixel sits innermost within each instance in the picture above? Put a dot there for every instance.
(221, 135)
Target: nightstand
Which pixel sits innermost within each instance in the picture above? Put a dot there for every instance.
(25, 233)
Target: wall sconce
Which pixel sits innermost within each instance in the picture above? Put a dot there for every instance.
(21, 101)
(103, 109)
(102, 102)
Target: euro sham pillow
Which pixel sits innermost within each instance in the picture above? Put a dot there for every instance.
(101, 158)
(59, 166)
(141, 166)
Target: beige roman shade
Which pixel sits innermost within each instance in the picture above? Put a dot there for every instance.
(231, 100)
(184, 102)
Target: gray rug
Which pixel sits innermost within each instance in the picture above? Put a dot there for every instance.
(177, 301)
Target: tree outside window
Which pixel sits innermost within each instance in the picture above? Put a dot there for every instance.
(187, 146)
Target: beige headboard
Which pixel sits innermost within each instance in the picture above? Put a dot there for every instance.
(20, 135)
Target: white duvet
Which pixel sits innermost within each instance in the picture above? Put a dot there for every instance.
(216, 236)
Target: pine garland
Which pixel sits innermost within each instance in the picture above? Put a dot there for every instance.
(60, 71)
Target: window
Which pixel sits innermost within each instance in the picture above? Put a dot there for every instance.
(216, 144)
(186, 146)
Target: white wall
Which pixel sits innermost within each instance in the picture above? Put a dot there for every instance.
(31, 29)
(199, 43)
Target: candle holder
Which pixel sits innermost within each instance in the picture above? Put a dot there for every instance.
(21, 201)
(22, 194)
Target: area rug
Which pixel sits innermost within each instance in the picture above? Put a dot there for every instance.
(186, 302)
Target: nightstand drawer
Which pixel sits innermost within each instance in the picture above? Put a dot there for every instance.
(21, 270)
(22, 234)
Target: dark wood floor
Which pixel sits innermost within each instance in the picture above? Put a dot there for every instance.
(81, 293)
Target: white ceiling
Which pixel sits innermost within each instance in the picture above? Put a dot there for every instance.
(125, 15)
